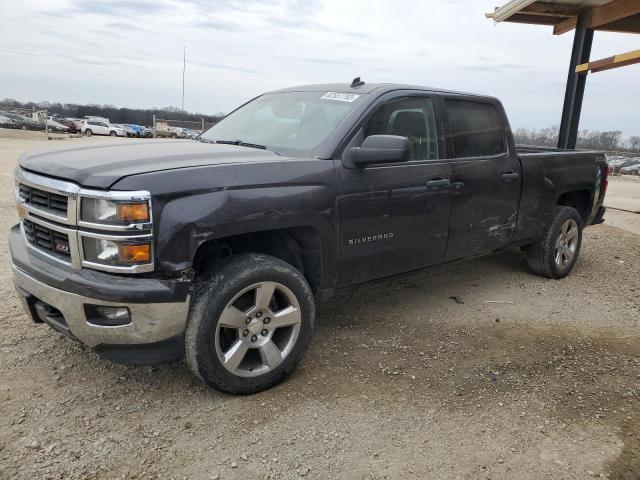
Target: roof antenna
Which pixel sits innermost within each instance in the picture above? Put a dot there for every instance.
(357, 82)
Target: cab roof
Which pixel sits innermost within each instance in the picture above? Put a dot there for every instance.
(366, 88)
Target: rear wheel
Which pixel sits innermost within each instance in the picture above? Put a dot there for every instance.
(113, 133)
(88, 132)
(555, 255)
(250, 324)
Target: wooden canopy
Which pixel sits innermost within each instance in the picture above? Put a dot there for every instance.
(607, 15)
(585, 17)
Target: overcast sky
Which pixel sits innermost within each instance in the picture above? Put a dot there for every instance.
(129, 53)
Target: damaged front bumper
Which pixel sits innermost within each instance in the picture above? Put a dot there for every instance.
(67, 299)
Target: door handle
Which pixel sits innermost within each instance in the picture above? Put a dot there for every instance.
(445, 182)
(510, 176)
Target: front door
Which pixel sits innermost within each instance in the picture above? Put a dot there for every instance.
(394, 217)
(487, 180)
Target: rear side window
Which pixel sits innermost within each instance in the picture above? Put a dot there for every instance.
(476, 129)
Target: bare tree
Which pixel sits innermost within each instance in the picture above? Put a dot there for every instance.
(634, 143)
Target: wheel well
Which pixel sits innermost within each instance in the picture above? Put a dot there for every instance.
(579, 199)
(298, 246)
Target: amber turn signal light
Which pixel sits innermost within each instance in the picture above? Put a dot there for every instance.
(134, 252)
(133, 212)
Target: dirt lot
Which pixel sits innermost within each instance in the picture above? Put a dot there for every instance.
(401, 382)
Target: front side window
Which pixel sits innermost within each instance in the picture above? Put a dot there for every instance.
(476, 129)
(411, 117)
(287, 123)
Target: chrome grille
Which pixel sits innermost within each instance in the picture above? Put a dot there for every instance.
(49, 212)
(47, 240)
(43, 199)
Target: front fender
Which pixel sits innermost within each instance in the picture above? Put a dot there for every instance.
(192, 206)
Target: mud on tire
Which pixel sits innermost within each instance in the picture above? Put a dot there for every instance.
(242, 339)
(548, 257)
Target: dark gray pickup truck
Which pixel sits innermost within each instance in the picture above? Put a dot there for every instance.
(216, 250)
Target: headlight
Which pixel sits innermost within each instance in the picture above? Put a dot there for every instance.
(117, 253)
(108, 211)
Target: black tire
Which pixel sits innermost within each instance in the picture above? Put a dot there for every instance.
(213, 294)
(88, 132)
(541, 256)
(112, 133)
(173, 135)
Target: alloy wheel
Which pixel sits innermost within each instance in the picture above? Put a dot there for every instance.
(567, 243)
(258, 329)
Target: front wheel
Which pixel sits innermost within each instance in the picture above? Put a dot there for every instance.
(113, 134)
(557, 252)
(88, 132)
(250, 324)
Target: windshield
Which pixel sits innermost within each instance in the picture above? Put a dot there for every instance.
(287, 123)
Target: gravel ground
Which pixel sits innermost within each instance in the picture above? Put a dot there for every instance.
(528, 378)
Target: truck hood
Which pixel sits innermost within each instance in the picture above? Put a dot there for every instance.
(101, 165)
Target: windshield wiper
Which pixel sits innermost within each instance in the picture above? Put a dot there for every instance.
(240, 143)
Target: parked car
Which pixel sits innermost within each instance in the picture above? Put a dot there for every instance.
(631, 169)
(6, 122)
(99, 127)
(55, 126)
(23, 122)
(77, 122)
(129, 132)
(69, 123)
(138, 130)
(188, 133)
(218, 250)
(171, 132)
(147, 132)
(617, 162)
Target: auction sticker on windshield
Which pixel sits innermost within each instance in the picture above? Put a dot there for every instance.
(340, 97)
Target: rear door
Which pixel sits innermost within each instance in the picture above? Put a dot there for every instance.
(486, 178)
(394, 217)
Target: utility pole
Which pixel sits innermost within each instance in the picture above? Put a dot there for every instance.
(184, 66)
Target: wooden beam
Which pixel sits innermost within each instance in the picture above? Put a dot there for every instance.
(613, 11)
(551, 9)
(600, 16)
(565, 26)
(609, 63)
(534, 19)
(626, 25)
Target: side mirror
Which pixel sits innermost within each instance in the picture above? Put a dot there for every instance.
(381, 149)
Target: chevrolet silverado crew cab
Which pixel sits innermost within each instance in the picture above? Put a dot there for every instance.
(216, 250)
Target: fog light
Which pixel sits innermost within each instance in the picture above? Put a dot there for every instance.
(105, 316)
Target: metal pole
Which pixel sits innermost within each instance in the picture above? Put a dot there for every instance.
(153, 130)
(184, 66)
(202, 129)
(576, 83)
(580, 88)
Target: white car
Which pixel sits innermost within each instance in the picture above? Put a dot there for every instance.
(98, 127)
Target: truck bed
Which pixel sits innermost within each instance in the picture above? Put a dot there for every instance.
(549, 173)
